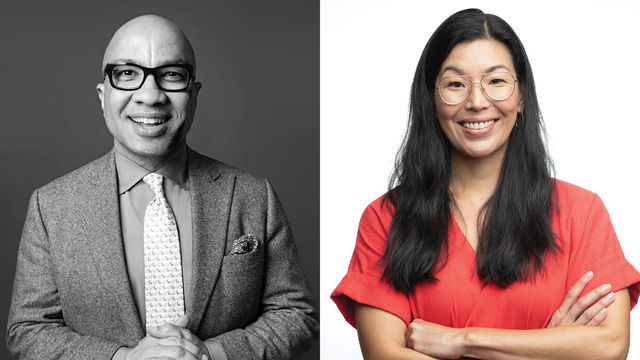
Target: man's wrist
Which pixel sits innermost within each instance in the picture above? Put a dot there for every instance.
(215, 350)
(121, 353)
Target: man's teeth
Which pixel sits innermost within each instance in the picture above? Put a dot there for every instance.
(148, 121)
(477, 125)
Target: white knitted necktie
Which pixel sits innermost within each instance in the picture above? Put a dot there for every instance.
(164, 299)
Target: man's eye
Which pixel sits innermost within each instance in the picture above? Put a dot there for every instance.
(173, 76)
(125, 74)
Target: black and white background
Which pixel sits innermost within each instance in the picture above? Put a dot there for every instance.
(258, 108)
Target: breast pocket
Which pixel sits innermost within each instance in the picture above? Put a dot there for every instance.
(240, 286)
(244, 265)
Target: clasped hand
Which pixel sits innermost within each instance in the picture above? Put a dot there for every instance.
(448, 343)
(170, 342)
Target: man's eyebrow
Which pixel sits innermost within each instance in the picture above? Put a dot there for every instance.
(137, 62)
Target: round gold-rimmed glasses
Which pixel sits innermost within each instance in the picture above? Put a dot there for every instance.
(498, 86)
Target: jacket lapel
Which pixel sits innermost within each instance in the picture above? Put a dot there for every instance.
(103, 235)
(211, 194)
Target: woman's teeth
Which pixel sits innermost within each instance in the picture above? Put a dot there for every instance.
(477, 125)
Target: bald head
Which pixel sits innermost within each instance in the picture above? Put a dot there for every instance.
(149, 40)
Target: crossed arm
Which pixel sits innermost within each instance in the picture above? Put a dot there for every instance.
(580, 329)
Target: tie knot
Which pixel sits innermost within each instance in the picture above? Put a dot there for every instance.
(155, 183)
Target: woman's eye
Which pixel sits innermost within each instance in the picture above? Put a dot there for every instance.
(455, 84)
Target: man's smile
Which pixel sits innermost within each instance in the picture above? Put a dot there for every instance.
(149, 120)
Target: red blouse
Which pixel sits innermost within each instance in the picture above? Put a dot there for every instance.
(459, 299)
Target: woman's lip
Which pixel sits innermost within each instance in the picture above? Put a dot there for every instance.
(477, 132)
(476, 120)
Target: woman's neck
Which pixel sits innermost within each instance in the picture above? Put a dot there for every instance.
(475, 178)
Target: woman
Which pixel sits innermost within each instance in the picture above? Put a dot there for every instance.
(477, 248)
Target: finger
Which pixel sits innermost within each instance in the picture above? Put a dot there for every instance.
(188, 344)
(182, 321)
(170, 352)
(180, 353)
(600, 316)
(574, 292)
(165, 330)
(594, 310)
(578, 309)
(408, 335)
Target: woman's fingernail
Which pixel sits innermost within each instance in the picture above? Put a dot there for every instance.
(605, 287)
(609, 298)
(589, 275)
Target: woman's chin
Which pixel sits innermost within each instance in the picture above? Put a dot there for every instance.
(481, 152)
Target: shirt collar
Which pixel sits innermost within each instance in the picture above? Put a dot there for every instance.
(130, 173)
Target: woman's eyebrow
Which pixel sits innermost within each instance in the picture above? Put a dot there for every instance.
(496, 67)
(452, 68)
(488, 70)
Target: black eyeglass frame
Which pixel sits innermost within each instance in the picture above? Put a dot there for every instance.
(108, 72)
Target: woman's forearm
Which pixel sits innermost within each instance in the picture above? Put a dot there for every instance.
(569, 342)
(382, 335)
(610, 340)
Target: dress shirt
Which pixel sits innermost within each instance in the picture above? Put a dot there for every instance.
(134, 195)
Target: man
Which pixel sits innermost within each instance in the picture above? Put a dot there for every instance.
(153, 250)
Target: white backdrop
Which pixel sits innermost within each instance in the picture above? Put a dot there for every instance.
(586, 61)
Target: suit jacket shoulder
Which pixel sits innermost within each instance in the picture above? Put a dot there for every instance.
(217, 168)
(90, 174)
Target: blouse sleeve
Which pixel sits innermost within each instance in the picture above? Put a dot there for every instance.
(363, 282)
(595, 247)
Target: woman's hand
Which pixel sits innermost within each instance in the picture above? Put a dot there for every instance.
(435, 340)
(585, 311)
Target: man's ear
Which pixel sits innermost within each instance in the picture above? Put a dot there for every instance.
(195, 90)
(100, 90)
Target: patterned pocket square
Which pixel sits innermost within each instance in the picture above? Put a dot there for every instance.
(244, 244)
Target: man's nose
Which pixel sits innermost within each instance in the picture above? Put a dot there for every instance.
(149, 93)
(477, 98)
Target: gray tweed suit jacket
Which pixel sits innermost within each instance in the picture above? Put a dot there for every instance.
(72, 297)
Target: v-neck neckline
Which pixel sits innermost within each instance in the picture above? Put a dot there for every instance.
(458, 229)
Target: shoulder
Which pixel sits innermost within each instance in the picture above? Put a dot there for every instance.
(375, 225)
(575, 199)
(580, 213)
(572, 193)
(380, 211)
(205, 165)
(211, 177)
(71, 182)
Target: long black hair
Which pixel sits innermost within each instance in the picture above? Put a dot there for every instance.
(515, 231)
